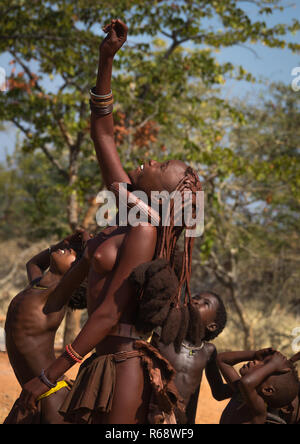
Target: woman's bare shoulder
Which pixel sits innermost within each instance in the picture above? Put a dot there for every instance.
(142, 241)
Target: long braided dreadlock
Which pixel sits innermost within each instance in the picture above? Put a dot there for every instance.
(182, 316)
(163, 284)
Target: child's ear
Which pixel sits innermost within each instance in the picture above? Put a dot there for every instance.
(212, 327)
(268, 390)
(289, 409)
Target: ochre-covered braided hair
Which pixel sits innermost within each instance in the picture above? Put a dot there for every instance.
(170, 234)
(183, 316)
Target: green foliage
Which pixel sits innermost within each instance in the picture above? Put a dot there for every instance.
(252, 216)
(166, 83)
(31, 201)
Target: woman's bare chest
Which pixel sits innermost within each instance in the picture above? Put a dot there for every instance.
(107, 249)
(106, 252)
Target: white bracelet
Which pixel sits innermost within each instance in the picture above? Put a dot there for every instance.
(106, 96)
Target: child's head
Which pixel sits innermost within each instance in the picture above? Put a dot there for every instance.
(279, 389)
(212, 312)
(62, 260)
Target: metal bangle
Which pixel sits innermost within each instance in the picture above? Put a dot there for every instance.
(100, 96)
(103, 111)
(102, 104)
(45, 380)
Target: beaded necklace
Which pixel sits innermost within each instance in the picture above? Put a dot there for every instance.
(192, 349)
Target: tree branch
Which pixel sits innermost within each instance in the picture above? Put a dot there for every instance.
(32, 37)
(45, 150)
(54, 162)
(66, 135)
(27, 70)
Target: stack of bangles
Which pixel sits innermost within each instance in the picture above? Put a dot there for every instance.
(71, 354)
(101, 105)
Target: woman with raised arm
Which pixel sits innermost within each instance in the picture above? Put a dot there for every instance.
(126, 381)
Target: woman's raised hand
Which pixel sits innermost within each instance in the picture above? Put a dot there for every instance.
(116, 37)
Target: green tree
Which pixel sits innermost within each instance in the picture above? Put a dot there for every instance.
(252, 216)
(31, 202)
(59, 40)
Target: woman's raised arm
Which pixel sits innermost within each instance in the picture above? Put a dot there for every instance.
(102, 126)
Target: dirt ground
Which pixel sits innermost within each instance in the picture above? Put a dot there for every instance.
(209, 410)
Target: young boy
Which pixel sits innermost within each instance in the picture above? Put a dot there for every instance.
(34, 317)
(191, 361)
(265, 392)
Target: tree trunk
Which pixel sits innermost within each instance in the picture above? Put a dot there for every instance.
(72, 318)
(73, 208)
(248, 339)
(90, 215)
(249, 342)
(229, 278)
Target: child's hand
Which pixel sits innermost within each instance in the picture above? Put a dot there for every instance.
(280, 363)
(76, 240)
(75, 237)
(260, 355)
(65, 243)
(116, 37)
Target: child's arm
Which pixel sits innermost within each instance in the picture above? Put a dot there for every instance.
(227, 361)
(248, 386)
(38, 265)
(67, 286)
(74, 277)
(220, 391)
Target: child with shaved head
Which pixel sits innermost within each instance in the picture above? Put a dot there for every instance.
(265, 392)
(191, 359)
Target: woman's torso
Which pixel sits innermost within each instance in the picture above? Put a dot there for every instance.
(103, 266)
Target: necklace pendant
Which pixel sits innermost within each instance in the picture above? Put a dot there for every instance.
(191, 353)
